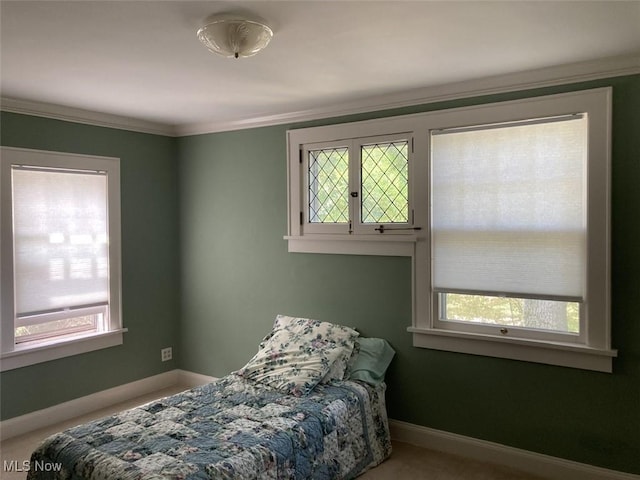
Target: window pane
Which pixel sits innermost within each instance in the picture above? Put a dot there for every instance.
(60, 239)
(329, 185)
(515, 312)
(509, 209)
(385, 182)
(45, 329)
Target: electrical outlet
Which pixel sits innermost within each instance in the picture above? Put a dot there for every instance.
(166, 354)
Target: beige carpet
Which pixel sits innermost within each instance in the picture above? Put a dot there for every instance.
(407, 462)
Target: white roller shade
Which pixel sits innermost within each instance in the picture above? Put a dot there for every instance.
(61, 239)
(508, 208)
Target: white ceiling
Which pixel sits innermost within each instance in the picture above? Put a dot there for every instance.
(141, 59)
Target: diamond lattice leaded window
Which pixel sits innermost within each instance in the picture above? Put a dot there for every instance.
(329, 185)
(385, 182)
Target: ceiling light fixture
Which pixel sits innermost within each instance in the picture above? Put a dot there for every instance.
(234, 37)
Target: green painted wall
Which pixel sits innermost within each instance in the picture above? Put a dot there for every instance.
(150, 269)
(237, 275)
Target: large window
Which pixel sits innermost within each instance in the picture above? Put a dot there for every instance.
(508, 226)
(503, 208)
(60, 254)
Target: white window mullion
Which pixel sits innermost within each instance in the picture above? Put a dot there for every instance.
(423, 314)
(355, 187)
(598, 284)
(113, 320)
(6, 261)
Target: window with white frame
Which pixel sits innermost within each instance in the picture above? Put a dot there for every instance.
(518, 232)
(351, 189)
(356, 186)
(508, 227)
(503, 208)
(60, 255)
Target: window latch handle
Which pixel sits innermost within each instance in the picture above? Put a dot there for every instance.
(383, 229)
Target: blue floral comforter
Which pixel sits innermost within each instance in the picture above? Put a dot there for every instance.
(228, 429)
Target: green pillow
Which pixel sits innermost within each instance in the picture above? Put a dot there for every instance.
(372, 361)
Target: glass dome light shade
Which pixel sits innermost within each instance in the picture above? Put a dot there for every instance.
(235, 38)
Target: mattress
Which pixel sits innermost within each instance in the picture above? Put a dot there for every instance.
(229, 429)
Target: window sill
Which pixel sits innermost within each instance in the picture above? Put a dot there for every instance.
(566, 355)
(40, 352)
(389, 245)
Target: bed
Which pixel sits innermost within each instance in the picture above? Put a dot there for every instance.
(309, 405)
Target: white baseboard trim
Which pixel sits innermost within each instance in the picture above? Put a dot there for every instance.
(192, 379)
(546, 466)
(29, 422)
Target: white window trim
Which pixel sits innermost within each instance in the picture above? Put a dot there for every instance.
(21, 355)
(364, 239)
(596, 352)
(47, 351)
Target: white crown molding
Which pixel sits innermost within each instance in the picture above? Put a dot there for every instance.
(86, 117)
(544, 77)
